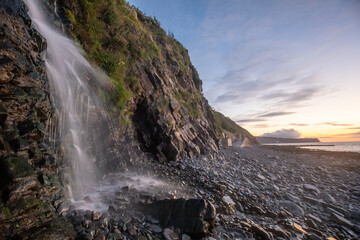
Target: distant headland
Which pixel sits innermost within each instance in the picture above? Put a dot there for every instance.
(265, 140)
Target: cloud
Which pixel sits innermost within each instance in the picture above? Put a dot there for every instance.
(299, 124)
(249, 120)
(283, 133)
(335, 124)
(348, 135)
(275, 114)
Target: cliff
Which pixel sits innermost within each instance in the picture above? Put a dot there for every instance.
(158, 104)
(159, 92)
(225, 127)
(30, 189)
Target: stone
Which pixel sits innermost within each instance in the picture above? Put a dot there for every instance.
(298, 228)
(314, 200)
(279, 232)
(185, 237)
(152, 220)
(229, 207)
(170, 234)
(311, 188)
(293, 208)
(313, 237)
(355, 214)
(260, 232)
(156, 228)
(327, 198)
(96, 216)
(341, 220)
(194, 217)
(130, 229)
(84, 236)
(292, 198)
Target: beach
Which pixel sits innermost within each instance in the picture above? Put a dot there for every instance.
(270, 192)
(259, 192)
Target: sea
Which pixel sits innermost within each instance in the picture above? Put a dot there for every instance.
(326, 146)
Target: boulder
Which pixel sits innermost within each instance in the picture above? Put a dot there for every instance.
(194, 217)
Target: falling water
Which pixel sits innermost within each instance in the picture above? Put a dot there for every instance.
(70, 75)
(80, 113)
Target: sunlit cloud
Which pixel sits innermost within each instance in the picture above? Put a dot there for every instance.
(249, 120)
(299, 124)
(335, 124)
(344, 135)
(275, 114)
(283, 133)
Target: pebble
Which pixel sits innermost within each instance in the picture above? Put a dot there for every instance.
(155, 228)
(309, 187)
(170, 234)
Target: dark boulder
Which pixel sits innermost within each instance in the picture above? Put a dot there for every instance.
(195, 217)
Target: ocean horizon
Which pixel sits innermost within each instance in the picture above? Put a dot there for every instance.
(353, 146)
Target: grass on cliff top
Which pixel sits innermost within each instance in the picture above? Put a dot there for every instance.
(117, 37)
(224, 123)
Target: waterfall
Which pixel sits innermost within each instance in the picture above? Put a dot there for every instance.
(70, 76)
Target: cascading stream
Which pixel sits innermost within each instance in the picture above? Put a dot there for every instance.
(70, 73)
(81, 124)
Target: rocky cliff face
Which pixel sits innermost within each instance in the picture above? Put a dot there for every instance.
(29, 186)
(159, 95)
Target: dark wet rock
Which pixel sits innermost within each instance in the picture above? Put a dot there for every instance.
(194, 217)
(152, 220)
(260, 232)
(292, 198)
(84, 236)
(312, 237)
(293, 208)
(355, 213)
(185, 237)
(341, 220)
(327, 198)
(156, 228)
(314, 201)
(111, 209)
(279, 233)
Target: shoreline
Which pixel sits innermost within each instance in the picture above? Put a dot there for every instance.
(271, 192)
(316, 152)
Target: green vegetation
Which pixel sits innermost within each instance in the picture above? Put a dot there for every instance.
(224, 123)
(6, 212)
(162, 105)
(18, 166)
(190, 102)
(120, 38)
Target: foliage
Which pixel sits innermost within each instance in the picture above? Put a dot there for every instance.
(190, 102)
(6, 212)
(162, 105)
(19, 167)
(224, 123)
(119, 38)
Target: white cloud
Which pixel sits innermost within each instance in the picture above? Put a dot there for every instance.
(283, 133)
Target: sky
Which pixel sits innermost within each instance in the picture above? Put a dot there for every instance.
(287, 68)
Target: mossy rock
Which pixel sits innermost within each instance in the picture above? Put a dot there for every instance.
(17, 167)
(28, 126)
(6, 211)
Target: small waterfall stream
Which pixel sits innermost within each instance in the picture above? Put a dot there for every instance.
(70, 75)
(72, 81)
